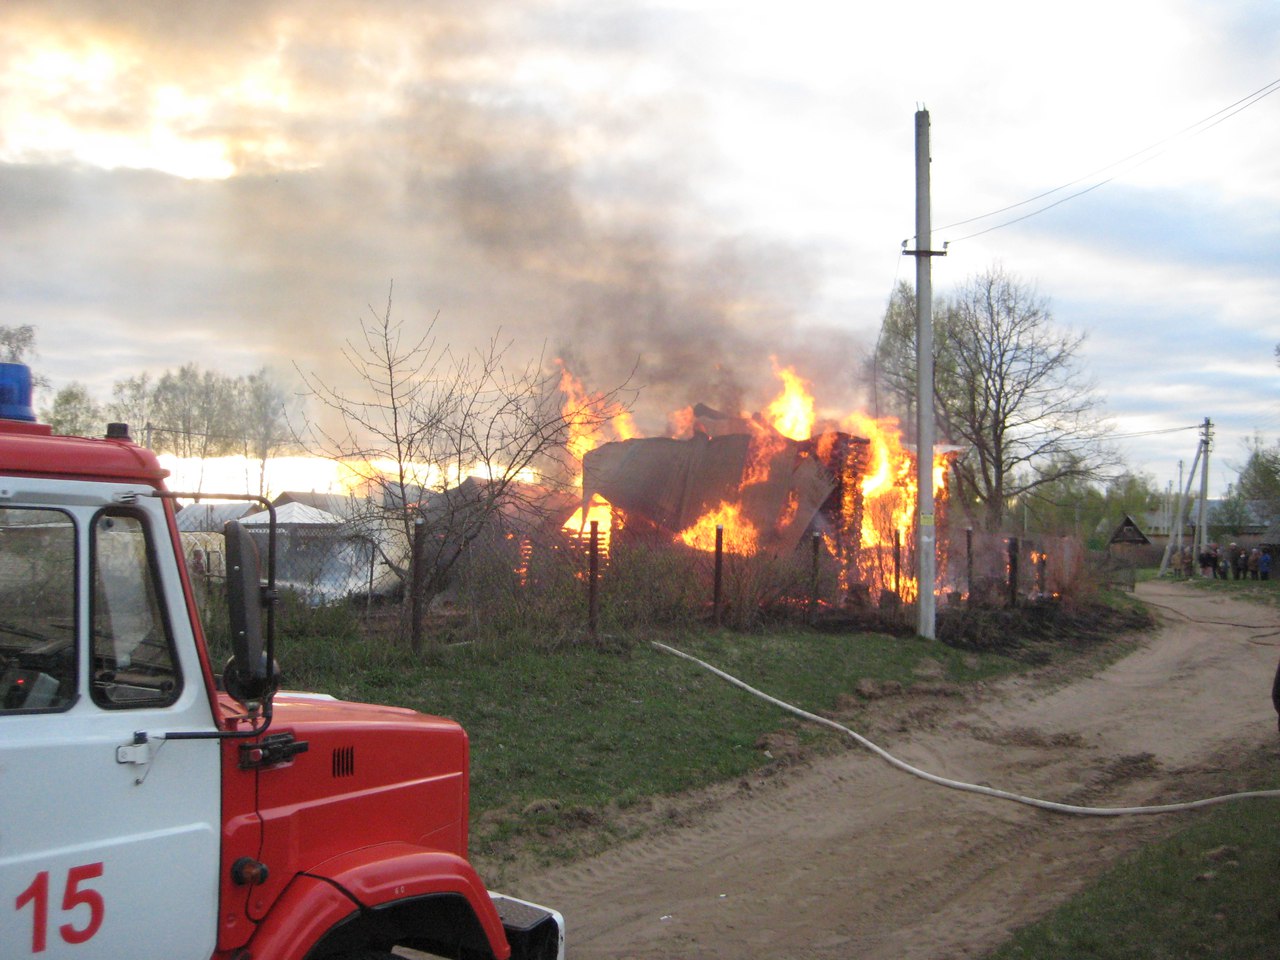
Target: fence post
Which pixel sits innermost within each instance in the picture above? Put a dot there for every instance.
(717, 594)
(813, 592)
(1013, 571)
(593, 571)
(417, 584)
(968, 562)
(897, 563)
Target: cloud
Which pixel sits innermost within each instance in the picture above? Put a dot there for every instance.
(672, 193)
(510, 166)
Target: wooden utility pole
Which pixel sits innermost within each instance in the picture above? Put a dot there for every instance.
(926, 530)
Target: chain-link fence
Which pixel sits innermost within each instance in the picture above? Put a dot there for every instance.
(552, 585)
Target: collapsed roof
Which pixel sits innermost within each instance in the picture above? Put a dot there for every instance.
(780, 485)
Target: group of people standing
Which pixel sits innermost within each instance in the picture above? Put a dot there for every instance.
(1231, 563)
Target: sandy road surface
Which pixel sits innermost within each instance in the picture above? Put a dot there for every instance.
(851, 858)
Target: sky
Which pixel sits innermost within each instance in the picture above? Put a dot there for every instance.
(667, 194)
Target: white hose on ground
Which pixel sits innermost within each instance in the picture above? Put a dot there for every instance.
(960, 784)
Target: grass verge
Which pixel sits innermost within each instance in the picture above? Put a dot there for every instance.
(1207, 891)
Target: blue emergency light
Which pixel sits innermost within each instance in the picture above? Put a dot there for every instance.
(15, 392)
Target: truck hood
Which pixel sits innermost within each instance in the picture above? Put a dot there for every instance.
(369, 774)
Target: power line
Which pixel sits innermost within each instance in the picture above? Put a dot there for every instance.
(1152, 433)
(1147, 154)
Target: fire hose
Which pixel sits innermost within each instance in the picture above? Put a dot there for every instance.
(960, 784)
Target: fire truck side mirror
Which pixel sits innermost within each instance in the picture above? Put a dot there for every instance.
(247, 677)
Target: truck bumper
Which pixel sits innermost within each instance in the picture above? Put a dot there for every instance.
(534, 932)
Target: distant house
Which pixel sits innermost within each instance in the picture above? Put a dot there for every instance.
(1271, 538)
(1252, 521)
(1129, 543)
(341, 505)
(320, 555)
(1129, 533)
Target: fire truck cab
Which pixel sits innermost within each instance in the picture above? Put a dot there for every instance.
(149, 810)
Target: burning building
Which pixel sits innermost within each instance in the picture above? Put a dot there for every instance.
(768, 491)
(764, 489)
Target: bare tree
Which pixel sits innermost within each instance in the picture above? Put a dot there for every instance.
(1010, 388)
(1259, 478)
(1007, 386)
(18, 345)
(892, 372)
(447, 444)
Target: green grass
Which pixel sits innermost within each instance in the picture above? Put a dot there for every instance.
(573, 734)
(589, 726)
(1208, 891)
(1253, 591)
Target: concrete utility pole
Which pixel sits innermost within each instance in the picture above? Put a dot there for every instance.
(926, 530)
(1202, 520)
(1184, 497)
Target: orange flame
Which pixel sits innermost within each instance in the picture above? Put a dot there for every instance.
(740, 535)
(876, 531)
(592, 419)
(599, 510)
(791, 411)
(888, 487)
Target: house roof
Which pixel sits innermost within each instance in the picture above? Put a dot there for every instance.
(295, 514)
(210, 517)
(672, 483)
(339, 504)
(1128, 532)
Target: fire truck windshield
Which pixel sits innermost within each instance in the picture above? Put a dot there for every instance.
(131, 647)
(37, 609)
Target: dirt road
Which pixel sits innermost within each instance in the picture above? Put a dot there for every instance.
(849, 857)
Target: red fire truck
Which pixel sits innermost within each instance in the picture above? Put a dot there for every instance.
(149, 809)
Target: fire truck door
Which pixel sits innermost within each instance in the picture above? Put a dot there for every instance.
(109, 833)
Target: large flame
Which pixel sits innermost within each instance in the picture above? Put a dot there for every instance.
(592, 419)
(791, 411)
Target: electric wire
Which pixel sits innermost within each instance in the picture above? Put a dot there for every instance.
(1050, 805)
(1257, 94)
(1152, 433)
(1147, 154)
